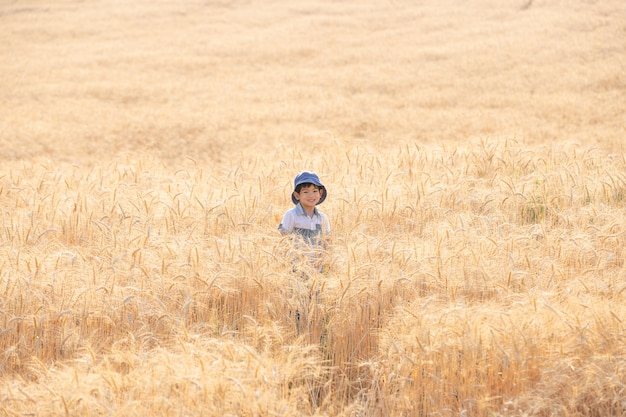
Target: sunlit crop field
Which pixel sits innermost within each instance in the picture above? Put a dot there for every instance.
(473, 155)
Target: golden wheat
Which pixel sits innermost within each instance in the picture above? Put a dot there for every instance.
(444, 293)
(473, 156)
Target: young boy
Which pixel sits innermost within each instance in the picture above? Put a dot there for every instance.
(309, 228)
(310, 225)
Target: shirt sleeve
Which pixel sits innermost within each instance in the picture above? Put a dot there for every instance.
(287, 223)
(325, 225)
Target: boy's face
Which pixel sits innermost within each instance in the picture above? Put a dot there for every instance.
(308, 196)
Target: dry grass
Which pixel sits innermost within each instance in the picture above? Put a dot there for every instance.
(473, 156)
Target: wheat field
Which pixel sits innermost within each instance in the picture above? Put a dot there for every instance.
(473, 154)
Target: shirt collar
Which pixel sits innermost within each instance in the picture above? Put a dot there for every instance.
(300, 210)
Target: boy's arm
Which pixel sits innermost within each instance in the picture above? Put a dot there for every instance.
(286, 224)
(326, 241)
(325, 227)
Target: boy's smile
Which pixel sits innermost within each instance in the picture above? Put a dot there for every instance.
(308, 197)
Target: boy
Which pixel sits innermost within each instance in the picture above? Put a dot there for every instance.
(304, 220)
(309, 228)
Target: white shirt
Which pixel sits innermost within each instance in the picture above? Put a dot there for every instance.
(312, 229)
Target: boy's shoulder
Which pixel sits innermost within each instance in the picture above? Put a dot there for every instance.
(297, 210)
(293, 210)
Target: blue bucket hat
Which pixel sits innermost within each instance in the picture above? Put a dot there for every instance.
(308, 177)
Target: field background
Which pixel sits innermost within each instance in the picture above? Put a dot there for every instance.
(473, 153)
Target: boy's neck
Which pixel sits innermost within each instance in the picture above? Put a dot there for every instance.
(308, 211)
